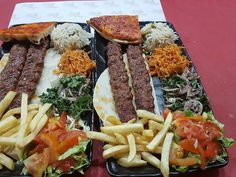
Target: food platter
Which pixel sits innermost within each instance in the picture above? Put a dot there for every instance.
(112, 167)
(155, 116)
(87, 118)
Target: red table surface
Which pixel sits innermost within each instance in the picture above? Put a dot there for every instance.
(208, 31)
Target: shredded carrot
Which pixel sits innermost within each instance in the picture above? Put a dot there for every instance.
(165, 61)
(75, 62)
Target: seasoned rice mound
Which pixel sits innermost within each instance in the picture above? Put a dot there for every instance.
(157, 35)
(69, 36)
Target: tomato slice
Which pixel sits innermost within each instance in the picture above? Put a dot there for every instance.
(212, 149)
(189, 145)
(70, 139)
(62, 120)
(36, 164)
(196, 118)
(182, 121)
(38, 149)
(178, 114)
(50, 139)
(65, 164)
(212, 130)
(203, 157)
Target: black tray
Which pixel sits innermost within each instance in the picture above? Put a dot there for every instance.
(88, 118)
(111, 165)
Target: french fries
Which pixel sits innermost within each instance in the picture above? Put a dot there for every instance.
(136, 162)
(120, 138)
(160, 135)
(154, 126)
(132, 147)
(39, 115)
(137, 142)
(15, 111)
(115, 150)
(7, 141)
(34, 133)
(149, 115)
(101, 137)
(165, 154)
(123, 129)
(6, 102)
(107, 146)
(7, 124)
(151, 159)
(7, 161)
(16, 134)
(23, 125)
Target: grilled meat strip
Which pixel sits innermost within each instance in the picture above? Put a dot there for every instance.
(119, 83)
(31, 72)
(140, 79)
(11, 73)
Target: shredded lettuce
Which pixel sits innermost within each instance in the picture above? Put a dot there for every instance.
(181, 169)
(220, 158)
(197, 156)
(210, 116)
(226, 142)
(82, 161)
(189, 113)
(53, 173)
(74, 150)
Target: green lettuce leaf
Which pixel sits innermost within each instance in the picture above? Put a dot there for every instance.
(181, 169)
(53, 173)
(74, 150)
(210, 116)
(82, 161)
(189, 113)
(226, 142)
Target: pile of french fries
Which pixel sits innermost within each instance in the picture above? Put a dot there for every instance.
(18, 127)
(137, 142)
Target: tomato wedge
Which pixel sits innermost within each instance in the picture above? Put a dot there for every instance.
(70, 139)
(212, 130)
(178, 114)
(38, 149)
(65, 164)
(212, 149)
(203, 157)
(50, 139)
(37, 163)
(189, 145)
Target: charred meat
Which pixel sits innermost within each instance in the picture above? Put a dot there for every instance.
(11, 73)
(119, 83)
(140, 79)
(31, 72)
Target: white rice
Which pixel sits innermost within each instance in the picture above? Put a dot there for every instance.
(157, 35)
(69, 36)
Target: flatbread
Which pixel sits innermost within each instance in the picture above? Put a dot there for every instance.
(103, 100)
(33, 32)
(119, 28)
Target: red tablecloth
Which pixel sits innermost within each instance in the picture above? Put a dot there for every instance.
(208, 30)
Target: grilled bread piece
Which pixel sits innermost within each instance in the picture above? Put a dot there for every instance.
(119, 28)
(33, 32)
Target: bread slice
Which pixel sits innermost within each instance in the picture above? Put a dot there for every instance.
(119, 28)
(33, 32)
